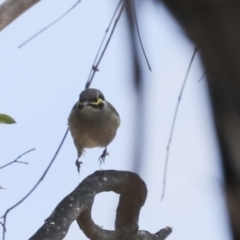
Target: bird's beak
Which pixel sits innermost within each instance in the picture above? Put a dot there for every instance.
(96, 102)
(87, 103)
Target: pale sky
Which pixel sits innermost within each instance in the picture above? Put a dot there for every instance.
(41, 82)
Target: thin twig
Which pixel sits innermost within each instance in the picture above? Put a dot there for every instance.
(16, 160)
(4, 229)
(94, 68)
(174, 122)
(202, 77)
(49, 25)
(104, 37)
(139, 36)
(35, 186)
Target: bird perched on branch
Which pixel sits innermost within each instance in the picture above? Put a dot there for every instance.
(93, 122)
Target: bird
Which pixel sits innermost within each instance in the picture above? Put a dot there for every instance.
(93, 122)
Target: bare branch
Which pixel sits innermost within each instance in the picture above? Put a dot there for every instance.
(4, 229)
(35, 186)
(94, 68)
(11, 9)
(78, 205)
(200, 79)
(174, 123)
(49, 25)
(16, 160)
(97, 60)
(139, 36)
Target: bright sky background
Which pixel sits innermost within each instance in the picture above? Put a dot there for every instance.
(41, 82)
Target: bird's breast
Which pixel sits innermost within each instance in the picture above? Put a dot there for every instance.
(93, 127)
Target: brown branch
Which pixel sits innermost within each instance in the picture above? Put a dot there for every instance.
(78, 205)
(214, 26)
(11, 9)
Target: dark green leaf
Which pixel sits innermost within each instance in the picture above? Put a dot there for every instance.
(6, 119)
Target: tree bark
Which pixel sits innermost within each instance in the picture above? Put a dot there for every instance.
(11, 9)
(78, 206)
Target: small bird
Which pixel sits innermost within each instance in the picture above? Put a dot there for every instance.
(93, 122)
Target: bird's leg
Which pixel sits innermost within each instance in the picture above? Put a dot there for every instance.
(78, 163)
(102, 157)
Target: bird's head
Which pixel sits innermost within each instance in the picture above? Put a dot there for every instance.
(91, 97)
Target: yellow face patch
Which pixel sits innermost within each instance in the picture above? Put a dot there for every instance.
(97, 102)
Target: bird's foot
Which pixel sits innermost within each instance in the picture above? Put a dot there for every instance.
(78, 164)
(102, 157)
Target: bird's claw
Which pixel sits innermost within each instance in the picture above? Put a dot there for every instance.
(78, 164)
(101, 159)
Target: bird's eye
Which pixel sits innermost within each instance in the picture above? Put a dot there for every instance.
(79, 105)
(101, 96)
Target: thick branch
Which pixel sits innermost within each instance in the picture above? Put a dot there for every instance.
(214, 26)
(78, 205)
(11, 9)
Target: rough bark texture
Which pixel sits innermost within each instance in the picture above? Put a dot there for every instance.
(78, 205)
(214, 26)
(11, 9)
